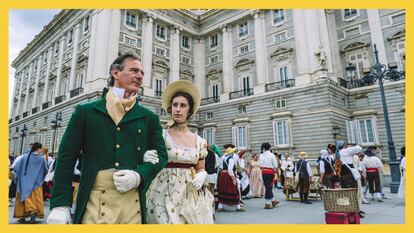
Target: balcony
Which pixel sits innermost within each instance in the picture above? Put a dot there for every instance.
(17, 118)
(355, 83)
(35, 110)
(242, 93)
(76, 92)
(210, 100)
(25, 114)
(158, 94)
(46, 105)
(280, 85)
(60, 99)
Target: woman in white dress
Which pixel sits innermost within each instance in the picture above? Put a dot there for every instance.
(401, 188)
(177, 194)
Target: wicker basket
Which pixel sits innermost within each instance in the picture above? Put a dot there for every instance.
(340, 200)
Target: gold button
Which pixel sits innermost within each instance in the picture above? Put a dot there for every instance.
(117, 146)
(116, 164)
(139, 130)
(138, 212)
(136, 200)
(117, 128)
(103, 191)
(139, 148)
(103, 203)
(102, 213)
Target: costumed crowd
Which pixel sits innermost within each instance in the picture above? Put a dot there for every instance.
(117, 165)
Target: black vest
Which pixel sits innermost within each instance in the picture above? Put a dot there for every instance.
(328, 166)
(303, 172)
(226, 163)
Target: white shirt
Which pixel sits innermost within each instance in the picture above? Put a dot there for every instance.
(372, 162)
(119, 92)
(347, 154)
(402, 165)
(267, 159)
(287, 166)
(230, 164)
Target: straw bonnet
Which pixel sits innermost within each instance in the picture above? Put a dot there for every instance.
(303, 154)
(184, 86)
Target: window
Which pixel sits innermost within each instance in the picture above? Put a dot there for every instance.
(362, 131)
(240, 135)
(57, 48)
(158, 88)
(283, 74)
(398, 18)
(243, 30)
(278, 16)
(215, 92)
(246, 85)
(209, 115)
(244, 49)
(349, 13)
(280, 104)
(279, 37)
(45, 57)
(281, 132)
(162, 112)
(213, 59)
(130, 41)
(160, 51)
(358, 61)
(185, 42)
(70, 37)
(213, 41)
(86, 24)
(241, 110)
(401, 55)
(161, 32)
(131, 20)
(209, 135)
(185, 60)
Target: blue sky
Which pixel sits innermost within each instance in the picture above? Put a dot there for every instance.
(23, 26)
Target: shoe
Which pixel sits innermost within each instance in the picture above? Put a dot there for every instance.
(380, 200)
(384, 197)
(32, 218)
(365, 201)
(268, 206)
(220, 209)
(21, 220)
(241, 209)
(274, 203)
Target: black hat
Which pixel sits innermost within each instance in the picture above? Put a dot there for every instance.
(369, 153)
(229, 145)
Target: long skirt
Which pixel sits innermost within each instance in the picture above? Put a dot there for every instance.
(228, 193)
(32, 204)
(256, 184)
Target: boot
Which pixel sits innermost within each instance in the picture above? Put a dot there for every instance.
(33, 218)
(301, 197)
(305, 195)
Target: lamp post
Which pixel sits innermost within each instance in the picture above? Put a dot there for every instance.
(336, 130)
(380, 72)
(23, 134)
(55, 125)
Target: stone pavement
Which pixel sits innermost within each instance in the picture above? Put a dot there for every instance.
(391, 211)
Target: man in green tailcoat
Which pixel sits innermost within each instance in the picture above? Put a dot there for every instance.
(122, 151)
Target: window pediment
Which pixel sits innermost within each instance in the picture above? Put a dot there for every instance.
(281, 53)
(355, 46)
(397, 35)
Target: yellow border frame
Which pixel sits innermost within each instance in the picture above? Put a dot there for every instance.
(6, 5)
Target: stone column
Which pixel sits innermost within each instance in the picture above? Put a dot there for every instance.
(74, 62)
(199, 66)
(39, 64)
(49, 60)
(175, 55)
(301, 48)
(325, 40)
(261, 52)
(146, 54)
(103, 47)
(227, 63)
(59, 68)
(335, 50)
(376, 35)
(26, 98)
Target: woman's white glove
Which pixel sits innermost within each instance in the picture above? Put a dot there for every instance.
(151, 156)
(126, 180)
(199, 179)
(59, 215)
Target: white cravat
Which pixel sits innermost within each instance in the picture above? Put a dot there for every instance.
(119, 92)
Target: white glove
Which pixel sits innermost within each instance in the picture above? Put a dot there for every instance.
(126, 180)
(151, 156)
(199, 179)
(59, 215)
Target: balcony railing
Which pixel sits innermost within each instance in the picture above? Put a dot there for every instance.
(280, 85)
(242, 93)
(158, 94)
(46, 105)
(17, 118)
(35, 110)
(60, 99)
(210, 100)
(25, 114)
(76, 92)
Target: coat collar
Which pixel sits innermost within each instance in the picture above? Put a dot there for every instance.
(135, 113)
